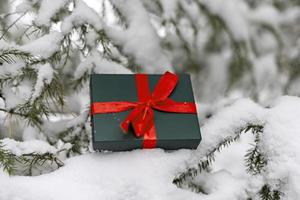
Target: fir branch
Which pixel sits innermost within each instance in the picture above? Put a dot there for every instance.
(7, 160)
(66, 48)
(205, 163)
(104, 41)
(75, 134)
(34, 110)
(77, 84)
(11, 25)
(33, 160)
(13, 112)
(10, 56)
(194, 187)
(122, 19)
(240, 62)
(266, 193)
(255, 161)
(39, 107)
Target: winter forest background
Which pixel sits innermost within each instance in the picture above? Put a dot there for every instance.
(244, 57)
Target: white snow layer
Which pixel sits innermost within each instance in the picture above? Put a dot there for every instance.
(44, 46)
(99, 65)
(239, 16)
(27, 147)
(140, 39)
(45, 76)
(148, 174)
(282, 138)
(225, 124)
(233, 12)
(81, 14)
(47, 10)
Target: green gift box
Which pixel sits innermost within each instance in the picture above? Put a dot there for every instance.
(156, 111)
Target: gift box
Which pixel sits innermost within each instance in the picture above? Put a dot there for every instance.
(131, 111)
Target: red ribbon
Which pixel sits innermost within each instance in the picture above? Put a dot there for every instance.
(141, 117)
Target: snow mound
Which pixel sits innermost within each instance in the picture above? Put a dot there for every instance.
(148, 174)
(136, 175)
(225, 124)
(282, 138)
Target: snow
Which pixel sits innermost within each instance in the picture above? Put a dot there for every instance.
(238, 16)
(81, 14)
(58, 123)
(127, 175)
(44, 46)
(6, 46)
(281, 143)
(91, 38)
(169, 8)
(266, 76)
(230, 188)
(45, 76)
(27, 147)
(234, 13)
(269, 15)
(140, 39)
(225, 124)
(13, 98)
(48, 9)
(31, 133)
(12, 69)
(265, 14)
(99, 65)
(25, 6)
(148, 174)
(291, 14)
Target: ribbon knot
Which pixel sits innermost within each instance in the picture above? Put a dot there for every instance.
(141, 118)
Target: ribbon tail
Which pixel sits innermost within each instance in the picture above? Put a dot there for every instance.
(126, 123)
(146, 126)
(143, 122)
(150, 138)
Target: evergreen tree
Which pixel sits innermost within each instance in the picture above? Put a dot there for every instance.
(48, 50)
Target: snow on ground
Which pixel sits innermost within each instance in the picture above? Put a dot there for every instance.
(127, 175)
(148, 174)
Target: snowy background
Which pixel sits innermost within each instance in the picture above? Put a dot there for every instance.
(244, 58)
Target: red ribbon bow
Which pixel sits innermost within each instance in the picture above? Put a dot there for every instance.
(141, 117)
